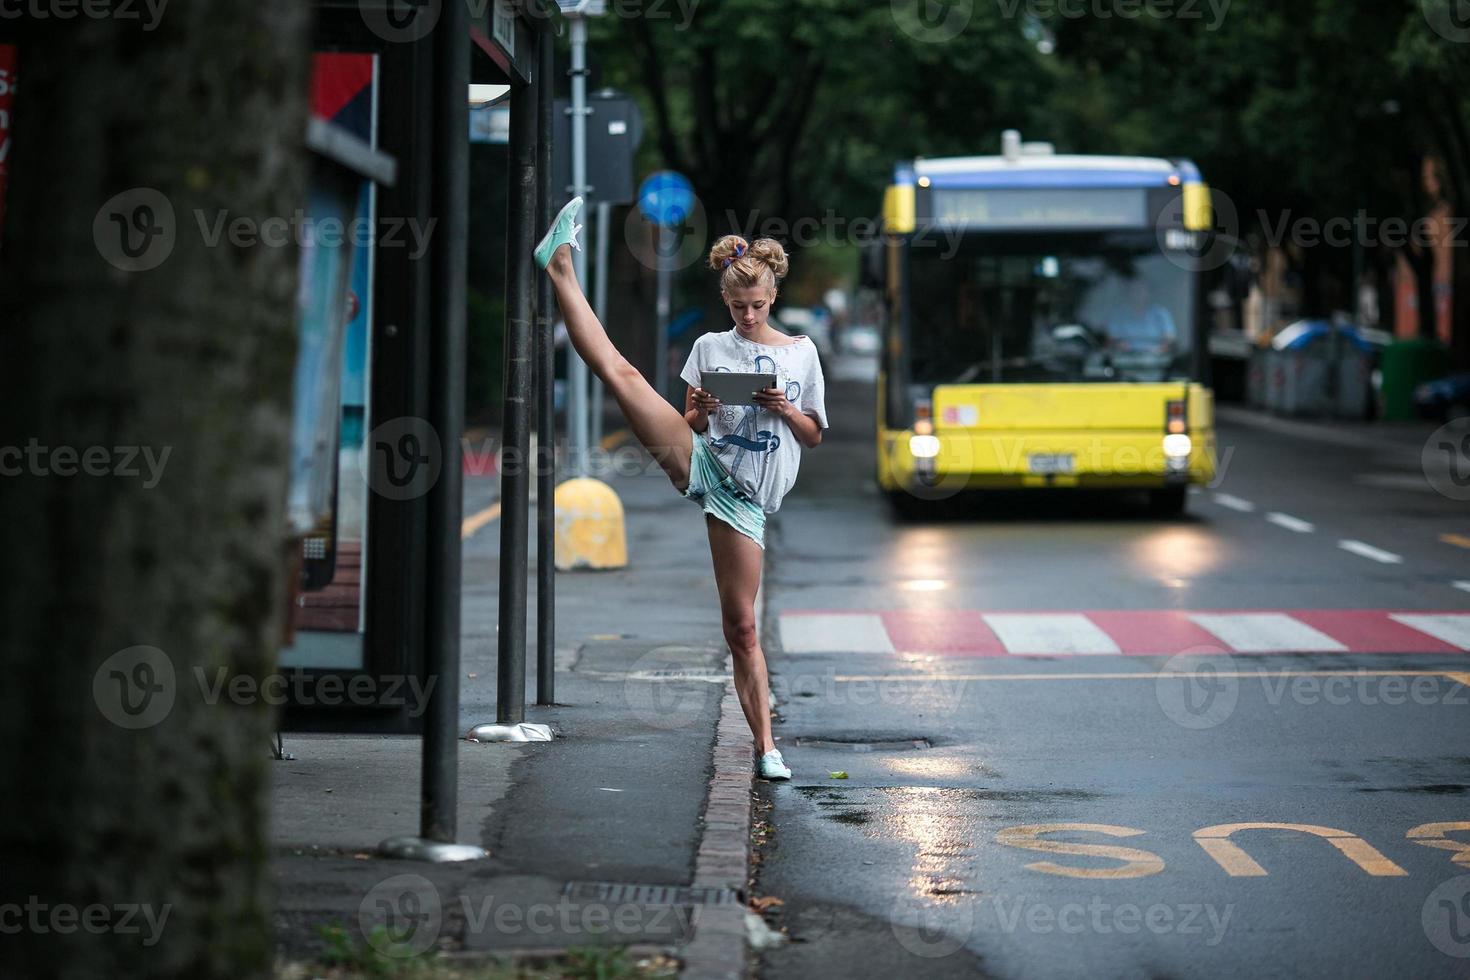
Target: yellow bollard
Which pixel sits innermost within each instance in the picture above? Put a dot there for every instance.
(589, 526)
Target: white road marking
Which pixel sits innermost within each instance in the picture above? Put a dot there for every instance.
(1266, 633)
(1368, 551)
(841, 633)
(1050, 633)
(1462, 586)
(1291, 523)
(1234, 503)
(1452, 629)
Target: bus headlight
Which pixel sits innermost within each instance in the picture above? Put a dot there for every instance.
(924, 447)
(1177, 446)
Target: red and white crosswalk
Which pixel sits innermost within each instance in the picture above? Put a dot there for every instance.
(974, 633)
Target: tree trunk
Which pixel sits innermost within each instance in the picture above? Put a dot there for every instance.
(145, 472)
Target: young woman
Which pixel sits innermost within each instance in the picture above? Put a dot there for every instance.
(736, 461)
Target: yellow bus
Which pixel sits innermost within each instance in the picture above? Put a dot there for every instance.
(1044, 326)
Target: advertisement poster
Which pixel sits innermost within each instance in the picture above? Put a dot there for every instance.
(344, 93)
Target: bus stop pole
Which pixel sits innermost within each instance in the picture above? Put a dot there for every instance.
(545, 405)
(450, 204)
(510, 691)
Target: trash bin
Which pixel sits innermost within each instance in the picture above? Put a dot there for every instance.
(1318, 368)
(1406, 365)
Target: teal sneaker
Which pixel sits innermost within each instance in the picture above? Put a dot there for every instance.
(773, 766)
(563, 231)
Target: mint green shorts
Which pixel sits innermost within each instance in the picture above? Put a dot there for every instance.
(716, 491)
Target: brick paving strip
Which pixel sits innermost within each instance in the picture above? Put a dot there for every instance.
(718, 949)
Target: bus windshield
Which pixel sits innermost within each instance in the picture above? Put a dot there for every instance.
(1050, 308)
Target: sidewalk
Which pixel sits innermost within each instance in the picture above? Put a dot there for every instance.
(629, 829)
(1392, 437)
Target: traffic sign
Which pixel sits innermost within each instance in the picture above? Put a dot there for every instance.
(666, 198)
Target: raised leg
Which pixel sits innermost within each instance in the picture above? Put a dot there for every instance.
(659, 426)
(738, 577)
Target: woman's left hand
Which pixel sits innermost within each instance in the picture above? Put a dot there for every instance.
(773, 400)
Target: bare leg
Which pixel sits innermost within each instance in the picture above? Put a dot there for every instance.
(657, 424)
(738, 576)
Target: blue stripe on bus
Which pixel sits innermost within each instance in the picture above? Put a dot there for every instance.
(1082, 179)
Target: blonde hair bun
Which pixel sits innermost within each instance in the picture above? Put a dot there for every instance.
(743, 264)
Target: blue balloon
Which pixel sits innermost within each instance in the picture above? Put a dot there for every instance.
(666, 197)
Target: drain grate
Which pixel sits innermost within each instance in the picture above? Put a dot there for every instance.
(875, 745)
(630, 894)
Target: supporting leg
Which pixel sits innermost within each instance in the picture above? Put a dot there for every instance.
(738, 577)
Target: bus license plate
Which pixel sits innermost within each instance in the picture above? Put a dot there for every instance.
(1052, 463)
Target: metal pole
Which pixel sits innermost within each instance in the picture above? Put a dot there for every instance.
(661, 339)
(520, 238)
(599, 304)
(576, 368)
(545, 409)
(439, 789)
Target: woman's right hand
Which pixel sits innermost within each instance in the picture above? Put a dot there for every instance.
(705, 402)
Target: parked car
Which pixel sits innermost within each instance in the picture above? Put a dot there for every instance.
(1445, 398)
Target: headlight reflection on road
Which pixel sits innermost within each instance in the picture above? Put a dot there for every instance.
(1175, 556)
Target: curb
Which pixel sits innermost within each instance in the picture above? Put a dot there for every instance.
(719, 950)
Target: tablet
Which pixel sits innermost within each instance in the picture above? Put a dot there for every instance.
(735, 389)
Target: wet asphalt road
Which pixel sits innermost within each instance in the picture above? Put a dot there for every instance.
(1059, 821)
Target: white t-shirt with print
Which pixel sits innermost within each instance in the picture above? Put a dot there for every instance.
(757, 447)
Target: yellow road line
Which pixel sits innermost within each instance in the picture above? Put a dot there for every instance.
(474, 522)
(1458, 540)
(1141, 676)
(613, 440)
